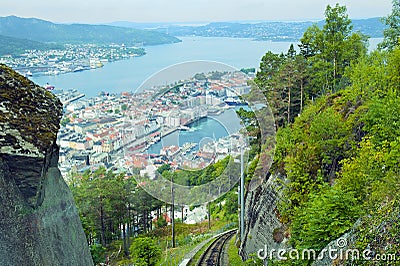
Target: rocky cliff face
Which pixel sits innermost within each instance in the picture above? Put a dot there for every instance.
(263, 230)
(39, 223)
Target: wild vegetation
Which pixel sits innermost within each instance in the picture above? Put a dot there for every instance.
(337, 109)
(114, 210)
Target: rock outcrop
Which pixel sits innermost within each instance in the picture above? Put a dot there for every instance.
(263, 230)
(39, 222)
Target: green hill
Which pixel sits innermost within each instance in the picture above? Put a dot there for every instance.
(45, 31)
(15, 46)
(337, 152)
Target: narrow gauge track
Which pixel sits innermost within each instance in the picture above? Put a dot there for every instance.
(212, 255)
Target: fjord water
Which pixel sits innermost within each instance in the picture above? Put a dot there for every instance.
(201, 132)
(127, 75)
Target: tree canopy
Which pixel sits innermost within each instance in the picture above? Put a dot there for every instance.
(392, 32)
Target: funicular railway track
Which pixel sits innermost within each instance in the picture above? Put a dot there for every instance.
(212, 255)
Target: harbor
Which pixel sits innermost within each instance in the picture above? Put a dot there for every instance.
(189, 126)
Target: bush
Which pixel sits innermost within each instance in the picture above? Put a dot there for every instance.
(161, 222)
(145, 251)
(98, 253)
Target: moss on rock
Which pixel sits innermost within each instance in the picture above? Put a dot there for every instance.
(28, 109)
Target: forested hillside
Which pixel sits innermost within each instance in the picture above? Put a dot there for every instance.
(48, 32)
(16, 46)
(338, 141)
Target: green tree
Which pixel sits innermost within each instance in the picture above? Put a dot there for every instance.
(369, 76)
(102, 198)
(161, 222)
(98, 253)
(291, 75)
(309, 152)
(98, 197)
(336, 30)
(392, 32)
(326, 216)
(144, 204)
(65, 121)
(282, 78)
(231, 206)
(341, 156)
(145, 251)
(310, 41)
(200, 76)
(164, 167)
(275, 79)
(301, 77)
(331, 49)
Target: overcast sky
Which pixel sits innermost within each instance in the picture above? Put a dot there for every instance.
(97, 11)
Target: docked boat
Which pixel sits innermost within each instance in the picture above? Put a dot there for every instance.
(78, 69)
(49, 87)
(184, 128)
(233, 101)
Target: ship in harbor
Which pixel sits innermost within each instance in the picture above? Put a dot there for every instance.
(49, 87)
(28, 74)
(79, 68)
(231, 101)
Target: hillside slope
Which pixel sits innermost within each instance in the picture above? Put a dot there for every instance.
(341, 165)
(45, 31)
(15, 46)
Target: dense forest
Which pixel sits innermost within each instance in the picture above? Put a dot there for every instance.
(337, 110)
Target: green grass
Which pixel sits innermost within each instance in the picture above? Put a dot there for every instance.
(187, 238)
(235, 260)
(176, 255)
(233, 256)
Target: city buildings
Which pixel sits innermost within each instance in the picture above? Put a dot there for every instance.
(116, 131)
(73, 58)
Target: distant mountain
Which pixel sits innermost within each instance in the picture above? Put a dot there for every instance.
(153, 25)
(45, 31)
(15, 46)
(276, 31)
(139, 25)
(372, 27)
(264, 30)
